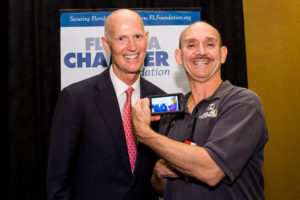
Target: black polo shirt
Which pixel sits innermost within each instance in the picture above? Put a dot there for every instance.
(231, 126)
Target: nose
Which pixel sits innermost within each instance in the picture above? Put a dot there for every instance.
(201, 49)
(131, 46)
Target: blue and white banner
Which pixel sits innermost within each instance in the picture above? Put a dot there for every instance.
(83, 56)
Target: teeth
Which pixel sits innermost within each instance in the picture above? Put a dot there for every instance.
(131, 56)
(201, 63)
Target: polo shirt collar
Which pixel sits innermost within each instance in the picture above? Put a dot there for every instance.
(221, 91)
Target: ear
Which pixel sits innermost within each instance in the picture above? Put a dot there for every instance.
(177, 55)
(223, 54)
(105, 44)
(147, 37)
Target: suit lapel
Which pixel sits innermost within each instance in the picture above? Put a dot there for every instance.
(107, 103)
(145, 91)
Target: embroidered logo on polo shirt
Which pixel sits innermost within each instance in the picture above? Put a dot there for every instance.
(211, 112)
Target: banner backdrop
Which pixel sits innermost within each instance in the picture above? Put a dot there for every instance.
(83, 56)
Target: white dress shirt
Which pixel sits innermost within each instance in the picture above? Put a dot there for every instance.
(120, 88)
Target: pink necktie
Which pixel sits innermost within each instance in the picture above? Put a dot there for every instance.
(130, 140)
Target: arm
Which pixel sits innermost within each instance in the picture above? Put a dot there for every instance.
(161, 172)
(64, 137)
(193, 161)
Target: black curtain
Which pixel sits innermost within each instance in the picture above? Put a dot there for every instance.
(32, 69)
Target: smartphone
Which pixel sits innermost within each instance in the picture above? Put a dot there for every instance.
(167, 103)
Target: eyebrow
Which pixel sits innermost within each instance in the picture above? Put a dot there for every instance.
(189, 40)
(207, 38)
(212, 39)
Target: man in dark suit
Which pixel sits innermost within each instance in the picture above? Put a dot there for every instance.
(88, 153)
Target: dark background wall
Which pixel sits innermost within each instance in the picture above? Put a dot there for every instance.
(32, 74)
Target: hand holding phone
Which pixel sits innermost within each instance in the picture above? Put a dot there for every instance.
(168, 103)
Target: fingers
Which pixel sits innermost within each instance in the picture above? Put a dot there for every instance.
(163, 169)
(155, 118)
(146, 102)
(141, 104)
(141, 118)
(141, 108)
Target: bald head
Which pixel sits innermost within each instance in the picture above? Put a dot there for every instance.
(126, 40)
(117, 17)
(200, 25)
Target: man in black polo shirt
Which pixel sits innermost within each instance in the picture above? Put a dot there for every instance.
(214, 149)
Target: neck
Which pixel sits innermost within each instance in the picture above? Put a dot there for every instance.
(202, 90)
(128, 78)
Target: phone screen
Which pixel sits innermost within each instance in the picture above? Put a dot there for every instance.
(165, 104)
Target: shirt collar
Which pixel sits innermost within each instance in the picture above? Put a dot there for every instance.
(221, 91)
(120, 86)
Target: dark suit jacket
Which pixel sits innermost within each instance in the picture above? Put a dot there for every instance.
(88, 157)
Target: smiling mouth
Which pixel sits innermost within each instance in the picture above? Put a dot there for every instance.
(131, 56)
(202, 61)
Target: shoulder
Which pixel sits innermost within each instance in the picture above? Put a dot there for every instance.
(244, 95)
(89, 84)
(240, 96)
(150, 87)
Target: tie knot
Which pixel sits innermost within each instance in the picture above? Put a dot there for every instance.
(129, 91)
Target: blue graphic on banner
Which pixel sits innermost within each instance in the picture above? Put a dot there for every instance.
(150, 18)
